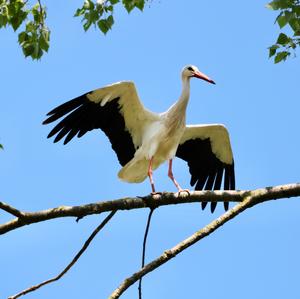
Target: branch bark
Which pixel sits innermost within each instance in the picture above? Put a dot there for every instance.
(144, 249)
(251, 199)
(129, 203)
(11, 210)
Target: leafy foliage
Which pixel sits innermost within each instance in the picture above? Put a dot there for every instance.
(289, 15)
(1, 146)
(35, 37)
(100, 13)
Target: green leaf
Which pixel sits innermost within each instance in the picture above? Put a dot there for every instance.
(110, 21)
(44, 39)
(272, 50)
(22, 37)
(105, 24)
(129, 5)
(281, 56)
(297, 33)
(88, 5)
(108, 8)
(3, 20)
(87, 25)
(295, 24)
(30, 27)
(28, 49)
(94, 16)
(282, 21)
(1, 146)
(37, 17)
(282, 39)
(4, 17)
(292, 44)
(38, 52)
(140, 4)
(18, 19)
(113, 2)
(272, 5)
(79, 12)
(296, 10)
(280, 4)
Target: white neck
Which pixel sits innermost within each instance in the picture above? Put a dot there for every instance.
(175, 116)
(180, 106)
(185, 93)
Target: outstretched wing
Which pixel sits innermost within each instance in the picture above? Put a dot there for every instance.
(115, 109)
(207, 150)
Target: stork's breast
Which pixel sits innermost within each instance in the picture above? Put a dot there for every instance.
(168, 146)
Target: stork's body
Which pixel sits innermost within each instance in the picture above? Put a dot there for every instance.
(161, 137)
(143, 140)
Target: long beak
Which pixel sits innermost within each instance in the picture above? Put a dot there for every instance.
(203, 77)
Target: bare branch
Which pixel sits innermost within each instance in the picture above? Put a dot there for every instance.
(11, 210)
(149, 201)
(253, 198)
(75, 259)
(127, 203)
(144, 249)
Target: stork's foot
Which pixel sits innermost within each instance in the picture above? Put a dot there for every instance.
(184, 190)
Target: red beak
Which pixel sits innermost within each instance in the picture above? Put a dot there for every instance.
(203, 77)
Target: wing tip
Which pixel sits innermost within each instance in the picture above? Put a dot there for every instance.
(46, 122)
(226, 205)
(213, 206)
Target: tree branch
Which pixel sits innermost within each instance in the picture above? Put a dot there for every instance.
(149, 201)
(74, 260)
(251, 199)
(144, 249)
(247, 199)
(11, 210)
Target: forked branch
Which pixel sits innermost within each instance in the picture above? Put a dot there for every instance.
(247, 199)
(11, 210)
(253, 198)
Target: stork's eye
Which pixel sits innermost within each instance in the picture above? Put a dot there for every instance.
(190, 68)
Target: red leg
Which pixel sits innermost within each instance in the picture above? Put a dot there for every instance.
(150, 175)
(171, 176)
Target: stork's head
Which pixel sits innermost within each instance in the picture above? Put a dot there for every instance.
(190, 71)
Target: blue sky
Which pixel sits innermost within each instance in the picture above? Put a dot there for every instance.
(255, 255)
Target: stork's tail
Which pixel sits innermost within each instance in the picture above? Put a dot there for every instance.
(135, 171)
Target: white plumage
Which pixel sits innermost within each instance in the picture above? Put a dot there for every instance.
(143, 140)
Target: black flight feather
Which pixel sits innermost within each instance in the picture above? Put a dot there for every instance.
(81, 115)
(206, 169)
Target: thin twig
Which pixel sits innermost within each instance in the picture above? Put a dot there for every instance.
(254, 197)
(144, 249)
(11, 210)
(75, 259)
(42, 21)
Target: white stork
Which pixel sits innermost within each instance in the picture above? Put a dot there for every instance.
(143, 140)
